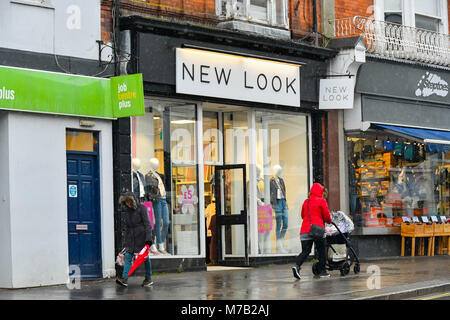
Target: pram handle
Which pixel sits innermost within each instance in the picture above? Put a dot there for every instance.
(334, 224)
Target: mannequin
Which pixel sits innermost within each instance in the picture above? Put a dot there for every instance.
(156, 192)
(138, 180)
(263, 237)
(279, 204)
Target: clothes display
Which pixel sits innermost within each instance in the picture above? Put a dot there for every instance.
(401, 179)
(279, 204)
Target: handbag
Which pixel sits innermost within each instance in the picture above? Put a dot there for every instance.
(316, 231)
(120, 260)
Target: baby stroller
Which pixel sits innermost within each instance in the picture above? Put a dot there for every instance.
(340, 254)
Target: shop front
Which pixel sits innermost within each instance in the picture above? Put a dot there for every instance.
(228, 131)
(398, 151)
(56, 171)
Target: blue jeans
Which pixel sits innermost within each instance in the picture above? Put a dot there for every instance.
(281, 217)
(127, 266)
(161, 212)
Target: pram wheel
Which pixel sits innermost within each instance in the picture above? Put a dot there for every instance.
(345, 269)
(357, 268)
(315, 268)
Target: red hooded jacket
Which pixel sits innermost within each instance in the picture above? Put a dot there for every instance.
(318, 209)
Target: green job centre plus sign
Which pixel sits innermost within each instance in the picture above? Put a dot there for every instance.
(57, 93)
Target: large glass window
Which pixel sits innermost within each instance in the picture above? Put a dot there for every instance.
(390, 178)
(282, 180)
(164, 148)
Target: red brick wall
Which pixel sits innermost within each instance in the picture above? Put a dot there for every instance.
(106, 20)
(351, 8)
(201, 11)
(302, 23)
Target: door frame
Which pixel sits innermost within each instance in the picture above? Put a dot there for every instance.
(237, 219)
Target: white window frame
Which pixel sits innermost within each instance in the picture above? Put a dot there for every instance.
(409, 14)
(242, 11)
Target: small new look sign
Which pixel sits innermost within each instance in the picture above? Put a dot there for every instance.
(336, 93)
(213, 74)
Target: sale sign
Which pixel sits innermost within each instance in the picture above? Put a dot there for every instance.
(265, 218)
(187, 200)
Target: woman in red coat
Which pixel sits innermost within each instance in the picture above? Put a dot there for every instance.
(319, 212)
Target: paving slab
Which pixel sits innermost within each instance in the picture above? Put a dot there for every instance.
(393, 278)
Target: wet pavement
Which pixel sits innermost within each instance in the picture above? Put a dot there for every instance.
(379, 278)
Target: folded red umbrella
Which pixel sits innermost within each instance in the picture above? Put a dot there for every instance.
(140, 258)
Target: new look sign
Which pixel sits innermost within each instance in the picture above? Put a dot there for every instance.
(336, 93)
(227, 76)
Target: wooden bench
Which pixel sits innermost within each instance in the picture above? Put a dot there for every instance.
(442, 234)
(421, 231)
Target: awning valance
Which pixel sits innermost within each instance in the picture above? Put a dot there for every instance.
(436, 140)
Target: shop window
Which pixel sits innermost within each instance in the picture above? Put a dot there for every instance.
(166, 135)
(282, 180)
(390, 178)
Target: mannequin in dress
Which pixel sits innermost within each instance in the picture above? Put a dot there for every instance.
(279, 204)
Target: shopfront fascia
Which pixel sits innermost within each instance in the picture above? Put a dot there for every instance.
(56, 165)
(398, 145)
(195, 129)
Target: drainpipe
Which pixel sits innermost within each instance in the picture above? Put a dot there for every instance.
(116, 35)
(316, 35)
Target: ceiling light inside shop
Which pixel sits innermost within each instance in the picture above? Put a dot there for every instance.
(182, 121)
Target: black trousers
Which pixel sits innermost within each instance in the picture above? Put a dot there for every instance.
(306, 250)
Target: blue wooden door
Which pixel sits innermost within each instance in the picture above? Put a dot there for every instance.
(84, 213)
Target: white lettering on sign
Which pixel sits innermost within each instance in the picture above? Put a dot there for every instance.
(228, 76)
(6, 94)
(336, 94)
(430, 84)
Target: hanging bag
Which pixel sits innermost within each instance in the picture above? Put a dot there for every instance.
(316, 231)
(120, 260)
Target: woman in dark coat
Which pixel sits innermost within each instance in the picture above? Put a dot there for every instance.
(136, 233)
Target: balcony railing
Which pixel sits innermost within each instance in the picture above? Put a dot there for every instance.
(396, 40)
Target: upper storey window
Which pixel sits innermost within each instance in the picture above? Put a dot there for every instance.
(428, 15)
(268, 12)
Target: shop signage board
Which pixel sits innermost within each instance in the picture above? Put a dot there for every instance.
(220, 75)
(404, 81)
(336, 93)
(127, 95)
(66, 94)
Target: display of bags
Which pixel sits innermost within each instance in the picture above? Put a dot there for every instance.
(388, 145)
(399, 149)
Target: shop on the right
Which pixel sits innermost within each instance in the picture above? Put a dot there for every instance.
(392, 177)
(397, 150)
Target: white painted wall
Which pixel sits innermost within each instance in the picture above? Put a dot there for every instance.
(5, 232)
(38, 198)
(62, 27)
